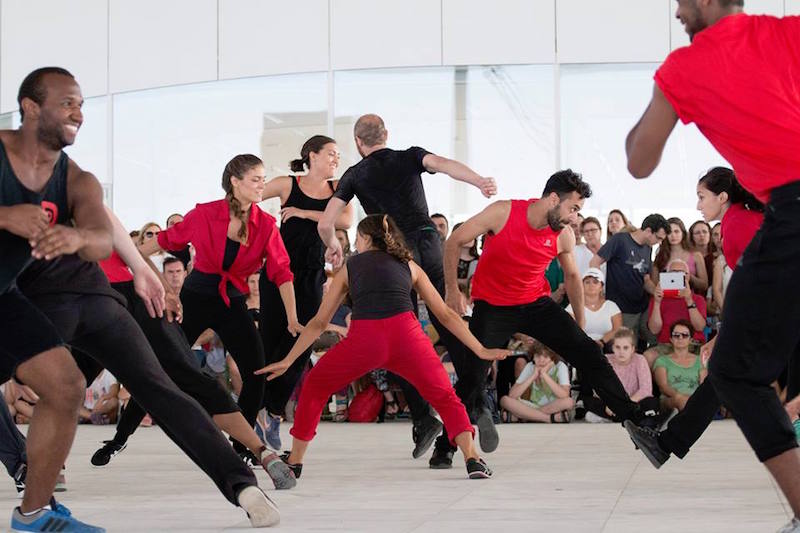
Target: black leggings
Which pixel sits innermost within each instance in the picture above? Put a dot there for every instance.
(12, 443)
(100, 326)
(277, 340)
(240, 337)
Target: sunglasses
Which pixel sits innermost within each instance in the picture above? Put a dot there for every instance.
(150, 234)
(680, 335)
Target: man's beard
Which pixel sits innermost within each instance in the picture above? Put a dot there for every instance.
(50, 134)
(554, 220)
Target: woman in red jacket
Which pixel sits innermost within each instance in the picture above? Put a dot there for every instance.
(232, 238)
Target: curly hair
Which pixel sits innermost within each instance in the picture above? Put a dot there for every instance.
(386, 236)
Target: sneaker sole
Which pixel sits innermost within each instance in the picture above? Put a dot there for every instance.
(424, 445)
(281, 475)
(480, 475)
(440, 467)
(487, 434)
(261, 511)
(635, 438)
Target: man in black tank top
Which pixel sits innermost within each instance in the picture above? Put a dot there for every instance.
(33, 169)
(390, 182)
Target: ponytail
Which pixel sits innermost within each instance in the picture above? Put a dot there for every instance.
(314, 144)
(386, 236)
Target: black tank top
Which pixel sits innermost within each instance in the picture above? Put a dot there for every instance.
(208, 284)
(300, 236)
(380, 285)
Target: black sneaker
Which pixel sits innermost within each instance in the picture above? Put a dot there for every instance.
(249, 459)
(477, 469)
(110, 448)
(487, 433)
(423, 435)
(19, 479)
(442, 457)
(296, 469)
(646, 440)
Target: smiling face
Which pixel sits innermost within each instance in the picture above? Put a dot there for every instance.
(326, 160)
(59, 116)
(249, 187)
(690, 15)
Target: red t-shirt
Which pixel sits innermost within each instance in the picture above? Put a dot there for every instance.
(739, 81)
(115, 268)
(737, 228)
(206, 227)
(673, 309)
(511, 268)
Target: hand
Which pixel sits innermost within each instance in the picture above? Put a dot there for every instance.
(150, 290)
(456, 301)
(537, 375)
(487, 186)
(274, 370)
(26, 220)
(290, 212)
(609, 412)
(706, 350)
(493, 354)
(56, 241)
(333, 254)
(546, 369)
(658, 294)
(174, 308)
(295, 327)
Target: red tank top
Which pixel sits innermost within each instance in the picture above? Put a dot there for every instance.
(511, 267)
(115, 269)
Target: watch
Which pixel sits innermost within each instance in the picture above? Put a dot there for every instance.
(692, 306)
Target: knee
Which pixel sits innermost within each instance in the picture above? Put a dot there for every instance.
(505, 401)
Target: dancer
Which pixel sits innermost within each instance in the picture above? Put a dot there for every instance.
(75, 296)
(511, 294)
(389, 181)
(303, 199)
(232, 238)
(755, 126)
(384, 333)
(720, 197)
(175, 355)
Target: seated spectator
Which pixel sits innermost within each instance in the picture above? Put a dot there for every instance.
(591, 232)
(149, 232)
(716, 238)
(676, 246)
(664, 312)
(700, 240)
(603, 317)
(442, 225)
(555, 278)
(634, 374)
(616, 222)
(174, 273)
(253, 301)
(101, 404)
(679, 373)
(541, 393)
(627, 255)
(467, 263)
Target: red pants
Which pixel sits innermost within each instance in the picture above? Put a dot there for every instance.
(396, 344)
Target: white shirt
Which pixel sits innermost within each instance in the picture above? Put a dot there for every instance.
(563, 373)
(582, 257)
(598, 323)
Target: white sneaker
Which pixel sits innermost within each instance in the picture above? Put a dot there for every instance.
(792, 527)
(261, 511)
(595, 419)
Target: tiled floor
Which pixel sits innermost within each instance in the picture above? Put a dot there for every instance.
(360, 477)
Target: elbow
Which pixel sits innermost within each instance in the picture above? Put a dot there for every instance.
(640, 169)
(325, 227)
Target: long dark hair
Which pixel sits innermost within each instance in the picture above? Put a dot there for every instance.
(722, 179)
(664, 249)
(314, 144)
(385, 236)
(237, 167)
(624, 219)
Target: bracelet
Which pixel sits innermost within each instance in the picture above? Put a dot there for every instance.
(692, 306)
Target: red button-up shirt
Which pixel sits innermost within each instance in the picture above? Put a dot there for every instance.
(206, 227)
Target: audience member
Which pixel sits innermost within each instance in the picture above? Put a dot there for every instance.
(174, 273)
(677, 246)
(185, 255)
(101, 404)
(616, 222)
(541, 393)
(628, 282)
(592, 235)
(555, 278)
(253, 301)
(576, 228)
(442, 225)
(716, 238)
(603, 317)
(665, 311)
(679, 373)
(467, 263)
(148, 233)
(634, 373)
(700, 240)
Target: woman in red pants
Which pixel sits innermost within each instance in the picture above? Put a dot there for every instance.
(384, 333)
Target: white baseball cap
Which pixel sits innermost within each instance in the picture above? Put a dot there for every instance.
(595, 273)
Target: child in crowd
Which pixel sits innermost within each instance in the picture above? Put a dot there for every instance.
(634, 373)
(101, 404)
(541, 393)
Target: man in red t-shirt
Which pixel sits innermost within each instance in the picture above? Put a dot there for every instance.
(737, 82)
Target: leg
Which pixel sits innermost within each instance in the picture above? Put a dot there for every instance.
(12, 442)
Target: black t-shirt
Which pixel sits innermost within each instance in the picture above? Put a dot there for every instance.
(380, 285)
(627, 264)
(390, 181)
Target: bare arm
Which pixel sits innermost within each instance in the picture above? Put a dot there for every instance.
(460, 172)
(279, 187)
(655, 322)
(716, 284)
(561, 391)
(616, 324)
(286, 291)
(645, 142)
(572, 278)
(326, 227)
(490, 220)
(518, 389)
(449, 318)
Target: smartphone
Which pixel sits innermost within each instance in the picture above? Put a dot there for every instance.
(672, 283)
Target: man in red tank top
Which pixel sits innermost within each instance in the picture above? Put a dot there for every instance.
(737, 82)
(511, 294)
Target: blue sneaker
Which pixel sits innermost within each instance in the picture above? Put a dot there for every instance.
(272, 434)
(59, 518)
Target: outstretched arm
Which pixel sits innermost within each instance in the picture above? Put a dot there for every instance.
(645, 142)
(326, 227)
(461, 172)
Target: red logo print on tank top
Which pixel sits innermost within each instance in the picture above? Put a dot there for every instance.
(52, 212)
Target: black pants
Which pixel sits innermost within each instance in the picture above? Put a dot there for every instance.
(100, 326)
(759, 331)
(176, 357)
(598, 406)
(277, 340)
(12, 443)
(240, 337)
